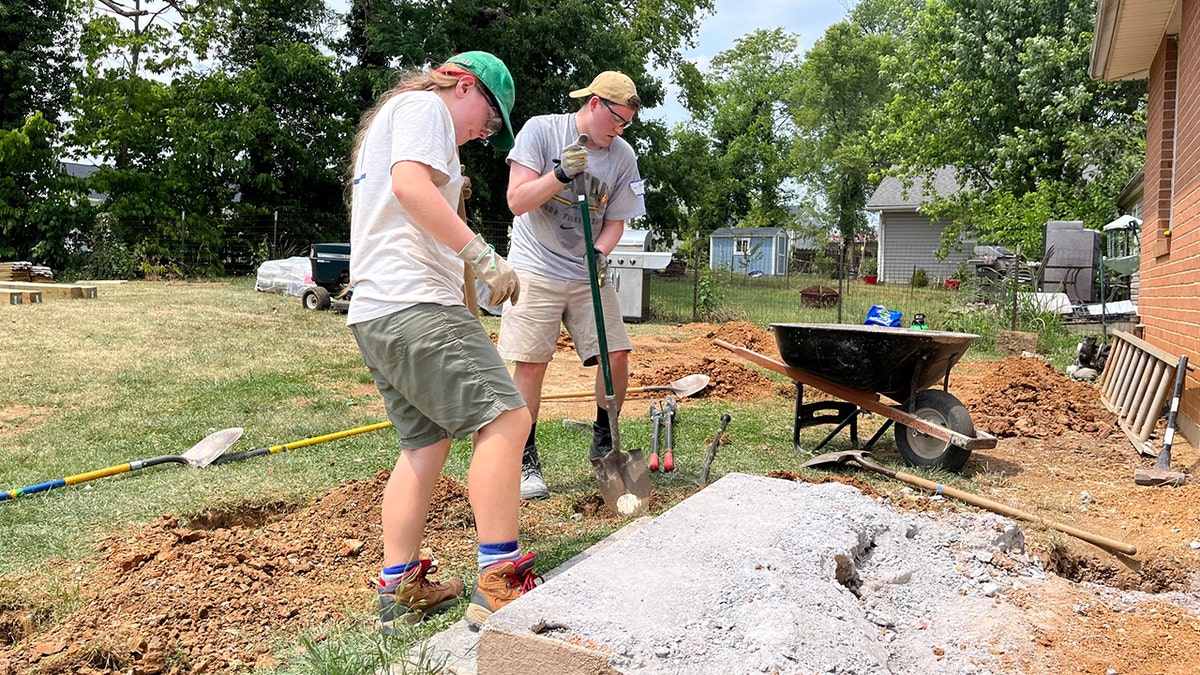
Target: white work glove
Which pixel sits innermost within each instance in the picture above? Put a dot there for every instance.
(601, 266)
(492, 270)
(572, 161)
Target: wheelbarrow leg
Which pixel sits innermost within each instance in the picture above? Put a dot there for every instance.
(878, 434)
(807, 415)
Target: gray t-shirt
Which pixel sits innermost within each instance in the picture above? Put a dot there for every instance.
(548, 240)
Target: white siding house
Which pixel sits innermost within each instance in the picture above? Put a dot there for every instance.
(908, 239)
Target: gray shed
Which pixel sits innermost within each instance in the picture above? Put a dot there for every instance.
(750, 249)
(907, 237)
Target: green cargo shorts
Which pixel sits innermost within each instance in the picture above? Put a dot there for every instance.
(438, 372)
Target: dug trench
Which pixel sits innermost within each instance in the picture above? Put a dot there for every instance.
(207, 592)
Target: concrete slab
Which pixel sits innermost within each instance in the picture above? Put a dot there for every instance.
(757, 574)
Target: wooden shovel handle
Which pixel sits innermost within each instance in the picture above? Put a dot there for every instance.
(1004, 509)
(591, 392)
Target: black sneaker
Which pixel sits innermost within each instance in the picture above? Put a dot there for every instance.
(601, 442)
(532, 484)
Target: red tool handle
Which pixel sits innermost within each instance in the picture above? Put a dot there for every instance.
(669, 421)
(656, 416)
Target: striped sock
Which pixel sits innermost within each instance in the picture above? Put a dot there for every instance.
(506, 551)
(394, 572)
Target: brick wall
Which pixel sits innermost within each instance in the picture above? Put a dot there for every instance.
(1169, 299)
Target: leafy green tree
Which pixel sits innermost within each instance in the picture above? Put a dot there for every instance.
(39, 205)
(124, 106)
(838, 94)
(732, 162)
(36, 45)
(285, 121)
(1000, 92)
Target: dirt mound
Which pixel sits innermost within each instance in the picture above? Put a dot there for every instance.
(727, 380)
(205, 597)
(745, 334)
(1027, 397)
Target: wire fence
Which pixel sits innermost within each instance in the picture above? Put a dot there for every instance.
(837, 287)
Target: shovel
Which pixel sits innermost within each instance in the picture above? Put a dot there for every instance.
(682, 388)
(618, 473)
(198, 456)
(294, 445)
(831, 459)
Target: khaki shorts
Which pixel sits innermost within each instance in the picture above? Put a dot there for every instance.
(529, 330)
(438, 372)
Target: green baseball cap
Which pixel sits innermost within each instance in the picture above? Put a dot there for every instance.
(495, 76)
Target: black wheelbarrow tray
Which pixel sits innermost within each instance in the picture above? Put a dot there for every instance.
(861, 364)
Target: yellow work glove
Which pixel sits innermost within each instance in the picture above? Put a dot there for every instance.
(492, 270)
(572, 161)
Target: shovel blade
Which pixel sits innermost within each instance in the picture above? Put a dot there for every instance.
(211, 447)
(619, 473)
(831, 459)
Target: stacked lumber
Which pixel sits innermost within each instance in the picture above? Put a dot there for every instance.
(41, 274)
(16, 271)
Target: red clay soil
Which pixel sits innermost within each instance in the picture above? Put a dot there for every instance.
(205, 594)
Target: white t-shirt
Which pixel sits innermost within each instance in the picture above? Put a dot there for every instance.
(548, 240)
(394, 264)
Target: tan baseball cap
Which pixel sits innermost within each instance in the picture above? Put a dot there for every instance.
(612, 86)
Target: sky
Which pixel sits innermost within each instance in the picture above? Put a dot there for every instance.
(734, 19)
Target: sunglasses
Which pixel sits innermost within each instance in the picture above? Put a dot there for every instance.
(623, 123)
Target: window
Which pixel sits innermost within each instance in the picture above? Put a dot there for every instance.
(741, 246)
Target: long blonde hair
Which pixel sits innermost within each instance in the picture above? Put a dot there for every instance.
(407, 80)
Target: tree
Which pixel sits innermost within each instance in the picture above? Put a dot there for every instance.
(732, 163)
(287, 120)
(837, 95)
(39, 205)
(36, 45)
(1000, 92)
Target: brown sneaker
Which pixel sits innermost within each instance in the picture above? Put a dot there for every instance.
(499, 585)
(413, 596)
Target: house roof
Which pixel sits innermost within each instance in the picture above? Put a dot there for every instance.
(1127, 36)
(78, 170)
(891, 195)
(747, 231)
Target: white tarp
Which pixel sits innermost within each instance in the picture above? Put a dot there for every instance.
(1048, 302)
(289, 276)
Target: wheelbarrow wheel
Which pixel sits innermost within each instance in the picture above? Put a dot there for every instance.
(942, 409)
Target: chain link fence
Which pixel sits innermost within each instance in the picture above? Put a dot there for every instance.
(843, 288)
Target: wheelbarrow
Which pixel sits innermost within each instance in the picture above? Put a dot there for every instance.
(862, 364)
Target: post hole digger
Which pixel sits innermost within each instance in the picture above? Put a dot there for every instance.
(618, 473)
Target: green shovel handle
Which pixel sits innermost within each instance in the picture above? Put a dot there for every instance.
(589, 245)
